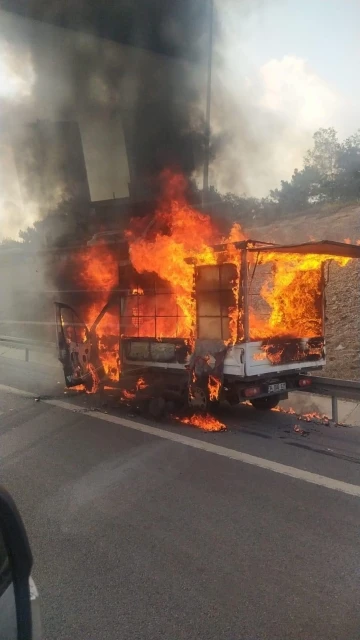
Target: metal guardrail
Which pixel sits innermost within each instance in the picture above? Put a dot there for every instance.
(28, 345)
(345, 389)
(336, 389)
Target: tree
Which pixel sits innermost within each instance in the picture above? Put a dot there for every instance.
(348, 179)
(68, 223)
(323, 158)
(232, 207)
(299, 192)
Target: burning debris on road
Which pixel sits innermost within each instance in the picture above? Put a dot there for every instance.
(302, 432)
(312, 416)
(204, 422)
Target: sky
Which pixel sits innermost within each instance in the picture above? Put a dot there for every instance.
(282, 69)
(288, 68)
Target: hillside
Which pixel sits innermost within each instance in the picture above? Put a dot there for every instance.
(343, 290)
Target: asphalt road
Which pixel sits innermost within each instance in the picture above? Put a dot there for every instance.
(140, 536)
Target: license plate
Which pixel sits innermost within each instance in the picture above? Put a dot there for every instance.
(279, 386)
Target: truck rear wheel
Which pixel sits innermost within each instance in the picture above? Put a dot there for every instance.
(198, 398)
(265, 404)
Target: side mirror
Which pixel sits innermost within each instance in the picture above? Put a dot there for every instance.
(15, 568)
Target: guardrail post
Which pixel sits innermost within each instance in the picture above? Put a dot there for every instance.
(26, 355)
(334, 409)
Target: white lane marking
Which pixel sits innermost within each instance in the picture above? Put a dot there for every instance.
(232, 454)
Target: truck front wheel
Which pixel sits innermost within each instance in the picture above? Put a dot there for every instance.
(265, 404)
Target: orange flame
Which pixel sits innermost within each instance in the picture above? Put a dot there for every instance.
(141, 384)
(290, 410)
(314, 415)
(166, 253)
(214, 388)
(129, 395)
(99, 272)
(306, 417)
(204, 422)
(293, 294)
(79, 388)
(179, 232)
(179, 237)
(97, 269)
(259, 356)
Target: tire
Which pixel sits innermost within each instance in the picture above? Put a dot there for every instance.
(198, 398)
(157, 408)
(265, 404)
(214, 406)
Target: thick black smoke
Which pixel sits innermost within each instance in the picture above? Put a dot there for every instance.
(167, 27)
(164, 125)
(158, 101)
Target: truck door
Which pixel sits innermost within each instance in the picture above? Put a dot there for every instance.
(216, 303)
(75, 347)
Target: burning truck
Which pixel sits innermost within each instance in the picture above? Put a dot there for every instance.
(190, 316)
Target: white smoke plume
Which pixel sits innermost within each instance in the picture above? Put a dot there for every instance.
(267, 113)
